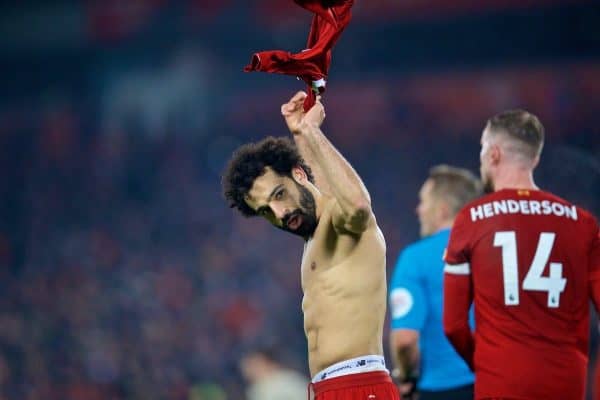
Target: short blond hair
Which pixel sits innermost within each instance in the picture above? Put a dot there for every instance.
(522, 128)
(457, 186)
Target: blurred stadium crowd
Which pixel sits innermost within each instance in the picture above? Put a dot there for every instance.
(123, 273)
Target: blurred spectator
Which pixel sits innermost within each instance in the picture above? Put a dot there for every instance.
(269, 379)
(207, 391)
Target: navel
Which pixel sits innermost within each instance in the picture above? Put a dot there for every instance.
(313, 265)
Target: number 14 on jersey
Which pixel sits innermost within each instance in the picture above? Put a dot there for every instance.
(554, 284)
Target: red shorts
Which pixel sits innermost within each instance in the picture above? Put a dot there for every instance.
(375, 385)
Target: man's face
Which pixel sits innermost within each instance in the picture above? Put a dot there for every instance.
(285, 203)
(485, 162)
(427, 210)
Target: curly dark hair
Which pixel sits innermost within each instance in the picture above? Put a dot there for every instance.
(248, 162)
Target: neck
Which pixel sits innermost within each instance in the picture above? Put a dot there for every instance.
(515, 177)
(444, 225)
(320, 205)
(320, 202)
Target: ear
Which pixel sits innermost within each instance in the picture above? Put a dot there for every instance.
(495, 154)
(299, 175)
(535, 163)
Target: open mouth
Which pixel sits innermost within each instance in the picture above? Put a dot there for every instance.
(294, 222)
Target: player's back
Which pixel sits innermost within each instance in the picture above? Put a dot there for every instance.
(529, 263)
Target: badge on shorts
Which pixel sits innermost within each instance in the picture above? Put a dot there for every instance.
(401, 301)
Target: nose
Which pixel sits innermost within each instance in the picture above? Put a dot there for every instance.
(279, 210)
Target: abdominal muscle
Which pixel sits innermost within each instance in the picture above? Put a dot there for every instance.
(344, 310)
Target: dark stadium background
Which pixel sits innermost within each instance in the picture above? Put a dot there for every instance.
(123, 275)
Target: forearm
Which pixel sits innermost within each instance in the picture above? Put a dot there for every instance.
(457, 301)
(463, 342)
(311, 161)
(406, 362)
(338, 175)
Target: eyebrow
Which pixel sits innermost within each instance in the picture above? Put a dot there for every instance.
(274, 191)
(259, 209)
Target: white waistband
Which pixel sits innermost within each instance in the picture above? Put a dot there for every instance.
(353, 366)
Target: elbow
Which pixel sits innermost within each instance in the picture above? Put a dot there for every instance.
(462, 342)
(360, 216)
(362, 210)
(458, 336)
(453, 330)
(454, 337)
(450, 332)
(404, 340)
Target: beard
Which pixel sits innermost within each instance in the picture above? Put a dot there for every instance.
(307, 214)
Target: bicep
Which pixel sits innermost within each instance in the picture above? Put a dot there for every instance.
(407, 298)
(458, 249)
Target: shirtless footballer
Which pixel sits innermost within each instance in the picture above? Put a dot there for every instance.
(306, 187)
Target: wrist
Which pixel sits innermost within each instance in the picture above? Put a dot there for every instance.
(307, 127)
(403, 377)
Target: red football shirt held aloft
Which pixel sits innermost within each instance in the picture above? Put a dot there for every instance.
(531, 262)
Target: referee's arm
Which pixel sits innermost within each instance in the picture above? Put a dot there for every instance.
(408, 307)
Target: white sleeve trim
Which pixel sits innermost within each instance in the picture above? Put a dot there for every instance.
(458, 269)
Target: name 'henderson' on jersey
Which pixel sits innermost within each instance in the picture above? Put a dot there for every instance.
(531, 262)
(524, 207)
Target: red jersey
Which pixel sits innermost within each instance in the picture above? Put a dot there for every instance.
(531, 262)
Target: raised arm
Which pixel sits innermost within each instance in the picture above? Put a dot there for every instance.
(293, 114)
(335, 176)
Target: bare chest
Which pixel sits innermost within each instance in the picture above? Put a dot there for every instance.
(322, 253)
